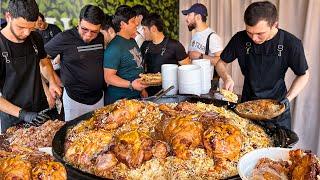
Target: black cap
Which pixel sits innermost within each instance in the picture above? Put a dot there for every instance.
(196, 8)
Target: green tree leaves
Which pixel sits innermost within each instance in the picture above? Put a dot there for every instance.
(168, 9)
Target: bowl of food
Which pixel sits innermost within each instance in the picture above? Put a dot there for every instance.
(279, 163)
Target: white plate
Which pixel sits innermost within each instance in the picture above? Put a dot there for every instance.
(249, 160)
(47, 150)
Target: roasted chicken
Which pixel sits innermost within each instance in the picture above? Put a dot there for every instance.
(124, 111)
(133, 148)
(82, 149)
(182, 133)
(223, 141)
(24, 163)
(15, 168)
(305, 166)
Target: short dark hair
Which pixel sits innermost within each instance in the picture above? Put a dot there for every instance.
(107, 22)
(153, 19)
(258, 11)
(124, 13)
(42, 16)
(27, 9)
(92, 14)
(203, 18)
(140, 10)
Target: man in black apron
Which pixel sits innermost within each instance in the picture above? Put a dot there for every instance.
(265, 53)
(158, 49)
(22, 52)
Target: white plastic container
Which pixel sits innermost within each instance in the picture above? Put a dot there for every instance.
(206, 74)
(169, 75)
(189, 79)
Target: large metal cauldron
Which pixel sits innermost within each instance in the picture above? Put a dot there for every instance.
(282, 137)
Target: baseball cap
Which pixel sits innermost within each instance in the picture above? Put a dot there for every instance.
(196, 8)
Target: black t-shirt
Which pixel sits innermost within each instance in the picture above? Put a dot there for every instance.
(153, 59)
(264, 70)
(49, 33)
(81, 65)
(24, 49)
(151, 53)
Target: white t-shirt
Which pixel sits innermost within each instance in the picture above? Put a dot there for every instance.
(199, 41)
(140, 36)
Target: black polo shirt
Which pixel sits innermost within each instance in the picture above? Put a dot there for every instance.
(81, 65)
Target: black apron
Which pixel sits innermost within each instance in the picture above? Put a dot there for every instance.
(264, 79)
(22, 84)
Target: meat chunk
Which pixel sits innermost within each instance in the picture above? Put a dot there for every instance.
(160, 150)
(183, 133)
(208, 119)
(269, 169)
(49, 170)
(133, 148)
(15, 168)
(223, 140)
(185, 106)
(83, 148)
(124, 111)
(304, 165)
(105, 161)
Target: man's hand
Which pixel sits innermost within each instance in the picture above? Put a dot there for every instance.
(286, 102)
(33, 118)
(54, 89)
(229, 84)
(51, 101)
(144, 93)
(136, 84)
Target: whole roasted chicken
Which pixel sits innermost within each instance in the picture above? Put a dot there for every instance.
(223, 141)
(183, 133)
(124, 111)
(133, 148)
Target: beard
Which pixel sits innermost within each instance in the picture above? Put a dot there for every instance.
(191, 26)
(15, 35)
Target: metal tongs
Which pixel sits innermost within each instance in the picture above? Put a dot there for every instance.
(162, 92)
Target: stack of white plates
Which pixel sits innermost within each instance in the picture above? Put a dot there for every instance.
(189, 79)
(169, 73)
(206, 74)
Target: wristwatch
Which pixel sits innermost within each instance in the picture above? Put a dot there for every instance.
(201, 56)
(130, 86)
